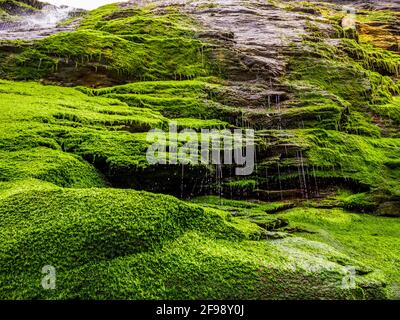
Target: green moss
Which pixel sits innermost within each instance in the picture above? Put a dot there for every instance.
(139, 21)
(353, 157)
(360, 124)
(371, 240)
(254, 209)
(70, 106)
(366, 16)
(173, 99)
(373, 58)
(40, 135)
(14, 7)
(334, 234)
(190, 123)
(48, 165)
(156, 48)
(135, 245)
(360, 202)
(144, 227)
(312, 107)
(334, 72)
(60, 148)
(242, 185)
(359, 82)
(95, 17)
(390, 110)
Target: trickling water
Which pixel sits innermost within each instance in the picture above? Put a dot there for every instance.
(302, 174)
(280, 182)
(49, 17)
(218, 178)
(37, 25)
(87, 4)
(182, 180)
(278, 105)
(315, 181)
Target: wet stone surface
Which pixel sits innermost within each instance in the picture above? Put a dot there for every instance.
(38, 25)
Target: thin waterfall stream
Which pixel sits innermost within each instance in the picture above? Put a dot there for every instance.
(40, 24)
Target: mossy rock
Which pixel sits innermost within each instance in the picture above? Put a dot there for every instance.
(389, 209)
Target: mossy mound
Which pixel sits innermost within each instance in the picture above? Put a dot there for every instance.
(133, 245)
(49, 138)
(368, 239)
(195, 99)
(101, 51)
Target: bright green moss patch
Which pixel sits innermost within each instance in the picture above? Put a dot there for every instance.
(190, 123)
(47, 132)
(69, 107)
(135, 245)
(353, 78)
(354, 157)
(212, 268)
(67, 153)
(120, 231)
(372, 240)
(45, 164)
(14, 7)
(88, 129)
(360, 202)
(242, 185)
(359, 82)
(374, 58)
(139, 21)
(95, 17)
(312, 107)
(335, 73)
(193, 99)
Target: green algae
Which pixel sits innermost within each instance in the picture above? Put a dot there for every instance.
(372, 240)
(135, 242)
(69, 122)
(61, 148)
(373, 58)
(333, 233)
(174, 99)
(354, 157)
(154, 48)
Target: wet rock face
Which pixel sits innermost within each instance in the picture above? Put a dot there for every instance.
(259, 33)
(250, 44)
(369, 4)
(389, 209)
(251, 37)
(21, 7)
(37, 24)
